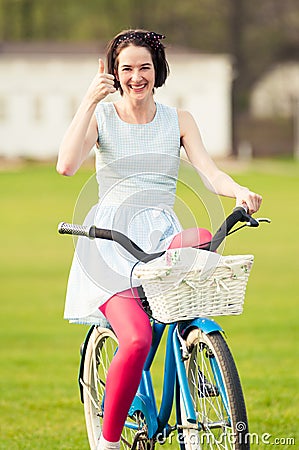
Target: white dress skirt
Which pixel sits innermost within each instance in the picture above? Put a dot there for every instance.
(137, 170)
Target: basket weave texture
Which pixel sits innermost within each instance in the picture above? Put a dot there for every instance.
(188, 283)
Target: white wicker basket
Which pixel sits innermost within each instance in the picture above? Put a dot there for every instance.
(187, 283)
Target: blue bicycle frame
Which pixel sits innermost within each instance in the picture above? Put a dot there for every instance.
(174, 368)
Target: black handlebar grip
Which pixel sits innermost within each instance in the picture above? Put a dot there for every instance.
(77, 230)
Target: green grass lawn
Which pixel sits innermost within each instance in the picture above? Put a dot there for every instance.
(39, 399)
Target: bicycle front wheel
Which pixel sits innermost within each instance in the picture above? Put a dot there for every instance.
(101, 348)
(217, 397)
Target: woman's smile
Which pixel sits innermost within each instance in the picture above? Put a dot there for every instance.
(137, 87)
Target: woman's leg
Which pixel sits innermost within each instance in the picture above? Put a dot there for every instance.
(133, 330)
(191, 237)
(132, 327)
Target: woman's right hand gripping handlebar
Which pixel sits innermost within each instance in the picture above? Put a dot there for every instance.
(82, 134)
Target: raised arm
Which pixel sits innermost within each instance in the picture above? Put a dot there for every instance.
(214, 179)
(82, 134)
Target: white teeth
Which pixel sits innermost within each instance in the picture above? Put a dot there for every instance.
(138, 87)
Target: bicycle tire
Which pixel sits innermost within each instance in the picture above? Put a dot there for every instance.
(100, 351)
(221, 412)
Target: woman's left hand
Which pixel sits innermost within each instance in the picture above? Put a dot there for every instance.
(249, 200)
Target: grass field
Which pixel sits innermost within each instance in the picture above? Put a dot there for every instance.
(39, 399)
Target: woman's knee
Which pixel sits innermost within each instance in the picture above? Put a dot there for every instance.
(130, 323)
(133, 352)
(137, 345)
(191, 237)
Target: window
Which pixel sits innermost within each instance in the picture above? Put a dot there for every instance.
(3, 108)
(37, 108)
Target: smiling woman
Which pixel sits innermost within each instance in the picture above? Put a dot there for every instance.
(137, 161)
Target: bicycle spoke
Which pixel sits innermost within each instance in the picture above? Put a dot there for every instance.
(215, 389)
(87, 391)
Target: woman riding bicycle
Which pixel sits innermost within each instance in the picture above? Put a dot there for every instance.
(137, 159)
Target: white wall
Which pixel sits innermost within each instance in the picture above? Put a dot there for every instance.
(37, 100)
(275, 93)
(202, 85)
(39, 95)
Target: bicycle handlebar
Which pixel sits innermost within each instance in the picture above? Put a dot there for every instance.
(239, 214)
(111, 235)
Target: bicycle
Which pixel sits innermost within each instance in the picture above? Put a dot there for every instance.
(200, 374)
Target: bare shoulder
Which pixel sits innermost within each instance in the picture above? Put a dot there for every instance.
(186, 121)
(184, 115)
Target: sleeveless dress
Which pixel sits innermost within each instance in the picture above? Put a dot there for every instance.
(136, 170)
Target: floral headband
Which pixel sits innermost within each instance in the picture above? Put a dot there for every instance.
(151, 38)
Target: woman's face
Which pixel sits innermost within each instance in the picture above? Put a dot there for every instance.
(136, 73)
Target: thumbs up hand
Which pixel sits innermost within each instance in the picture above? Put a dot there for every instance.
(102, 85)
(101, 66)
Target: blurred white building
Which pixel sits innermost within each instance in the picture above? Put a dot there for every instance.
(277, 92)
(42, 85)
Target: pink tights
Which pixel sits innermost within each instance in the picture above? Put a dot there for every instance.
(133, 330)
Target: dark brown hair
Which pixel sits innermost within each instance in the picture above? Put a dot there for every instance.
(139, 38)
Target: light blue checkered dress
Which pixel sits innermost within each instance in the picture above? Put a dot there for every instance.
(136, 169)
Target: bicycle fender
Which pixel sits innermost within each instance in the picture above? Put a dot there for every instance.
(143, 404)
(204, 324)
(82, 360)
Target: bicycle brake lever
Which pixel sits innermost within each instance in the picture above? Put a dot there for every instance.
(263, 219)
